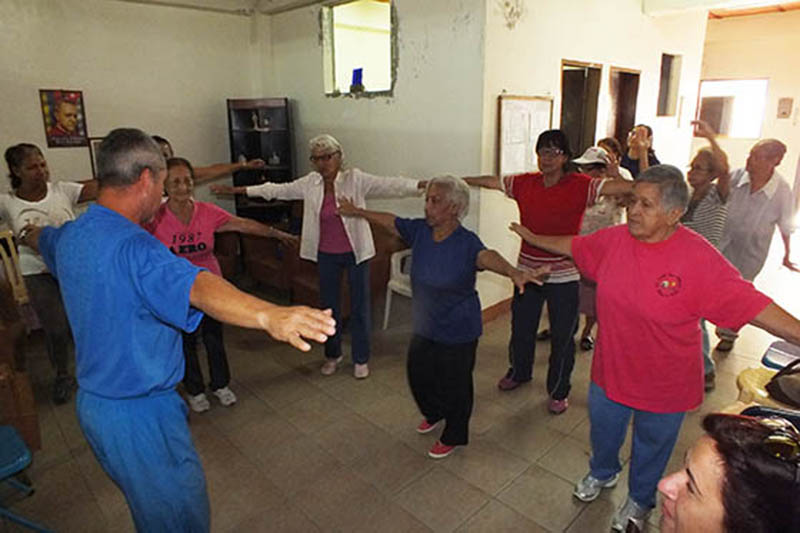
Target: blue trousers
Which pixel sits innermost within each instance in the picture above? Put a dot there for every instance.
(330, 268)
(144, 445)
(654, 436)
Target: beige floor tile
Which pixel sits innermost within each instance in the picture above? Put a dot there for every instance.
(352, 437)
(393, 413)
(528, 439)
(282, 519)
(568, 459)
(496, 517)
(542, 497)
(441, 499)
(485, 465)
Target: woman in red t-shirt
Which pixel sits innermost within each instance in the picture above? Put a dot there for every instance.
(551, 202)
(187, 227)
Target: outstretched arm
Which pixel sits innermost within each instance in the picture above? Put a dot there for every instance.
(491, 260)
(487, 182)
(251, 227)
(787, 261)
(348, 209)
(223, 190)
(293, 325)
(557, 244)
(704, 129)
(89, 191)
(778, 322)
(211, 172)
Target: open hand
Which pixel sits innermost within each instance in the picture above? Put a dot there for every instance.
(521, 277)
(346, 207)
(703, 129)
(295, 324)
(218, 188)
(788, 264)
(286, 238)
(255, 164)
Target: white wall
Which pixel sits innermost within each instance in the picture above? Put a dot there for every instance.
(759, 46)
(432, 124)
(526, 60)
(162, 69)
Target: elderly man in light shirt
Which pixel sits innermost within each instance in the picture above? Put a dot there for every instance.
(759, 200)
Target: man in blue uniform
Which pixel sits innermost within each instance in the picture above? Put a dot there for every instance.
(128, 298)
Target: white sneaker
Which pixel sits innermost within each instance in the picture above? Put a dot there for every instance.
(199, 403)
(329, 366)
(361, 371)
(225, 396)
(630, 511)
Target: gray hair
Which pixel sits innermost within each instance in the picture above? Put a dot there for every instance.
(326, 143)
(457, 192)
(673, 188)
(124, 154)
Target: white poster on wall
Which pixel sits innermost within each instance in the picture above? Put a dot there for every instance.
(522, 119)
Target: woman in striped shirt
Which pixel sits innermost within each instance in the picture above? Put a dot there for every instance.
(707, 211)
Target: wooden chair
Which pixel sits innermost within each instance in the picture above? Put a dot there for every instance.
(13, 274)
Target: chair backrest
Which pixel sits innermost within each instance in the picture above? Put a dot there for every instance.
(13, 274)
(401, 265)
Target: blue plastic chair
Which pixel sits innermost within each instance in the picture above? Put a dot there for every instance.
(779, 354)
(14, 458)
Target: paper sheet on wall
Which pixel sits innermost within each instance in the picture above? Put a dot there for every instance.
(522, 119)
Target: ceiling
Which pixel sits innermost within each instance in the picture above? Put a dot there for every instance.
(239, 7)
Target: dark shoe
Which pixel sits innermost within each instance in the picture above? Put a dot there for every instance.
(587, 343)
(62, 389)
(710, 381)
(724, 346)
(543, 335)
(557, 407)
(507, 384)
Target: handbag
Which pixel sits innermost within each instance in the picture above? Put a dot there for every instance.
(785, 385)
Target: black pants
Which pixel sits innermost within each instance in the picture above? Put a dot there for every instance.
(45, 299)
(440, 377)
(211, 331)
(526, 310)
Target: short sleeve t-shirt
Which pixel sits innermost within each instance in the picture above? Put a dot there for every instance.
(194, 241)
(127, 300)
(554, 210)
(445, 304)
(633, 164)
(52, 210)
(650, 299)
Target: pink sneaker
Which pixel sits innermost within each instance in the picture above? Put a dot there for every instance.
(425, 427)
(557, 407)
(440, 451)
(506, 384)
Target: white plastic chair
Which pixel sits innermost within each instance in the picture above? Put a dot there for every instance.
(399, 280)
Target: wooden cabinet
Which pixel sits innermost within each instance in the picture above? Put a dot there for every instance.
(262, 128)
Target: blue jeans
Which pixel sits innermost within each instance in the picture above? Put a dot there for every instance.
(145, 447)
(526, 310)
(708, 363)
(654, 437)
(330, 268)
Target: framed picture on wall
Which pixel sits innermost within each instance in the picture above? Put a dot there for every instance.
(94, 143)
(64, 117)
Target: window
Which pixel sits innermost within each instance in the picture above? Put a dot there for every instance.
(734, 108)
(358, 43)
(668, 87)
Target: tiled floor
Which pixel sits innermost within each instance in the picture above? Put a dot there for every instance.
(302, 452)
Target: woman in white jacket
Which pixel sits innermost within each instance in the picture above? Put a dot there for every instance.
(333, 242)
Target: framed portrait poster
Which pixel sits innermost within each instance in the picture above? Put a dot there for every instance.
(64, 117)
(94, 143)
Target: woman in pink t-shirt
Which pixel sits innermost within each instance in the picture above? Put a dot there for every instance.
(655, 280)
(187, 227)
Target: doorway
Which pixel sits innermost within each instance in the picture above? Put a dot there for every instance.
(580, 87)
(622, 112)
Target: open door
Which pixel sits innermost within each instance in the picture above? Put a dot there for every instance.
(580, 87)
(623, 94)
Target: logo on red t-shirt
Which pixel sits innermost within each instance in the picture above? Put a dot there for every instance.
(668, 285)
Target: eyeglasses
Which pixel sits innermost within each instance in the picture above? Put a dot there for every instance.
(783, 442)
(549, 152)
(324, 157)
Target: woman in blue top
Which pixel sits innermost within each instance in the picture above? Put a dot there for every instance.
(446, 308)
